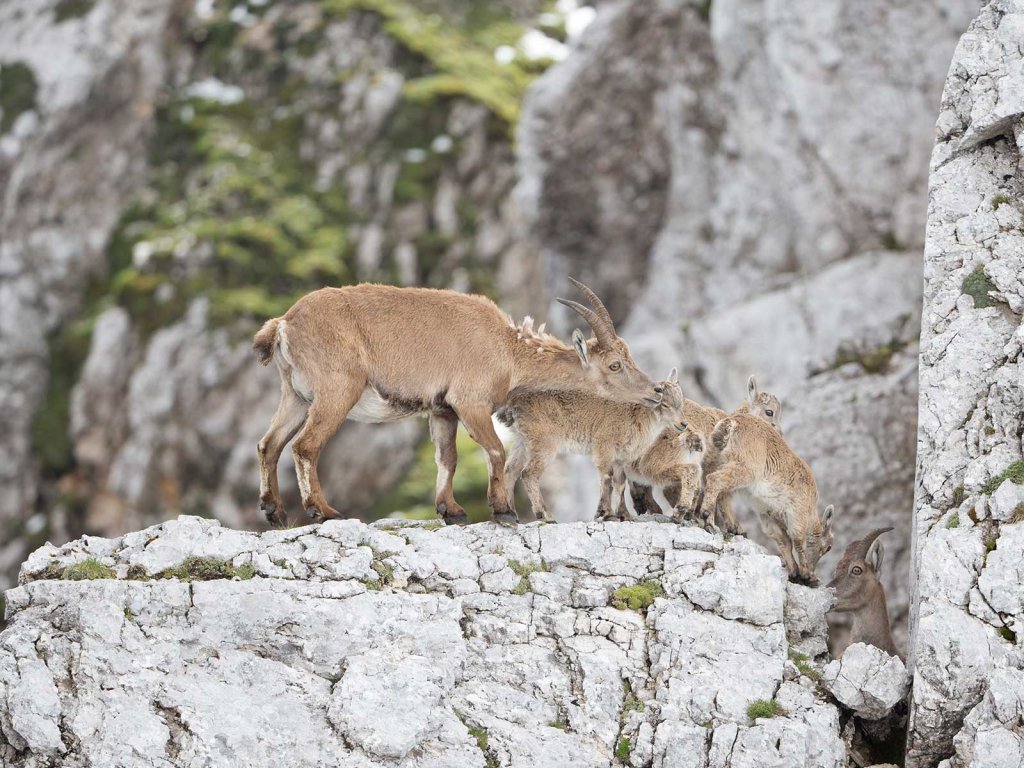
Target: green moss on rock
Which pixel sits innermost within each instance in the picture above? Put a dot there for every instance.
(639, 597)
(18, 90)
(87, 570)
(977, 285)
(195, 568)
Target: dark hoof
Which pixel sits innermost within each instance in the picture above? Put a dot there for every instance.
(315, 514)
(275, 516)
(682, 514)
(459, 519)
(507, 519)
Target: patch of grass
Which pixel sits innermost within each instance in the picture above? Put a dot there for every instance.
(1014, 472)
(561, 722)
(803, 663)
(954, 521)
(764, 708)
(200, 569)
(639, 597)
(71, 9)
(1017, 516)
(245, 572)
(623, 748)
(87, 570)
(1000, 200)
(1007, 634)
(958, 496)
(385, 574)
(482, 741)
(977, 285)
(18, 89)
(524, 570)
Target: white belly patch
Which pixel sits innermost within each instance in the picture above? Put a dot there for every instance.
(374, 409)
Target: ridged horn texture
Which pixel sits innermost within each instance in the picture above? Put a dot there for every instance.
(596, 315)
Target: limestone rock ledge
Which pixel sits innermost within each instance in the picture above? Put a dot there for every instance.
(400, 644)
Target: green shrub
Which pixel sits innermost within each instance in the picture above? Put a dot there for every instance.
(623, 748)
(764, 708)
(88, 569)
(1014, 472)
(639, 597)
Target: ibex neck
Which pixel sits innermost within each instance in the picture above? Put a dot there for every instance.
(871, 626)
(551, 368)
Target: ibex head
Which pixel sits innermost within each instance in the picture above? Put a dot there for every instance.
(606, 357)
(819, 542)
(671, 402)
(855, 579)
(763, 404)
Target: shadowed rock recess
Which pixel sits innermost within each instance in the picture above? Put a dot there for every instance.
(400, 644)
(968, 690)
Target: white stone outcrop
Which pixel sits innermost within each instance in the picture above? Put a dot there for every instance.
(969, 519)
(867, 681)
(401, 644)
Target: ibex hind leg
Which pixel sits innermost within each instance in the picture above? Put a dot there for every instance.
(477, 419)
(290, 415)
(443, 428)
(329, 409)
(644, 502)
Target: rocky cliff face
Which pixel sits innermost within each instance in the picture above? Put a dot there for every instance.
(398, 644)
(787, 144)
(969, 507)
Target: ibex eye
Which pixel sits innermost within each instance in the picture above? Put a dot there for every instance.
(616, 366)
(769, 413)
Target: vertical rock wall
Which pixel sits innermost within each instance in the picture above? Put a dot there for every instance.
(969, 506)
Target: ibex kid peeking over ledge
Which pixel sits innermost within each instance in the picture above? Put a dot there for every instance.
(860, 593)
(377, 353)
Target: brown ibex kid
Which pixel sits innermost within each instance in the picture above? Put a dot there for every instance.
(756, 462)
(670, 459)
(378, 353)
(860, 593)
(614, 434)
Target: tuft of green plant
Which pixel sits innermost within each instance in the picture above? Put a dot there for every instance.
(1007, 634)
(991, 542)
(137, 572)
(560, 722)
(623, 748)
(632, 703)
(1000, 199)
(872, 360)
(954, 521)
(639, 597)
(524, 570)
(482, 741)
(804, 664)
(1017, 516)
(764, 708)
(977, 285)
(71, 9)
(245, 572)
(199, 569)
(958, 496)
(990, 430)
(1014, 472)
(18, 89)
(87, 570)
(128, 614)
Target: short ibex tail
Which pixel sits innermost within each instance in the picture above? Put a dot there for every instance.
(721, 433)
(265, 340)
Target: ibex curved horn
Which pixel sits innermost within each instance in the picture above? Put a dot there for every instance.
(865, 544)
(857, 550)
(597, 317)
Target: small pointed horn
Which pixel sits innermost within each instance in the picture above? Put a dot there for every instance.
(596, 303)
(600, 330)
(864, 544)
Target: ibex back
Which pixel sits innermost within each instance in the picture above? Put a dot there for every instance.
(378, 353)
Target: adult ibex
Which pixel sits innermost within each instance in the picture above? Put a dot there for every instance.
(613, 433)
(377, 353)
(860, 593)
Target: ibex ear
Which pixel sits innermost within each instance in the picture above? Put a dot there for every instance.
(580, 344)
(673, 375)
(752, 390)
(826, 519)
(876, 555)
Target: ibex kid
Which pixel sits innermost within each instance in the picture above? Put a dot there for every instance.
(669, 458)
(757, 463)
(614, 434)
(860, 593)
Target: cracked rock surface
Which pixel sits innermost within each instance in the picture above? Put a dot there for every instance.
(867, 680)
(399, 644)
(969, 519)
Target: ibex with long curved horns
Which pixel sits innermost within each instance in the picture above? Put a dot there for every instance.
(378, 353)
(860, 593)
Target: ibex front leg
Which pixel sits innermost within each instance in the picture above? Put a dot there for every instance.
(477, 419)
(328, 411)
(443, 428)
(291, 413)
